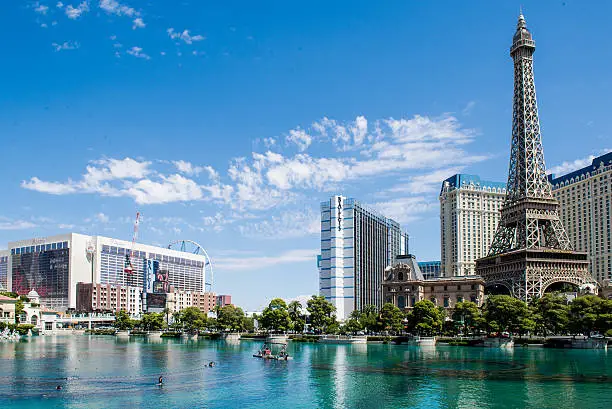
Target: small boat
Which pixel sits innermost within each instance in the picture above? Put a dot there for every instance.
(266, 352)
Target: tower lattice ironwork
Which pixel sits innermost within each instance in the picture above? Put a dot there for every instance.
(530, 249)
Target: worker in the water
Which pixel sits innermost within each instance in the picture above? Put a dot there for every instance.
(160, 381)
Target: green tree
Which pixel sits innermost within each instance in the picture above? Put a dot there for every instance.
(152, 321)
(322, 314)
(550, 314)
(425, 318)
(506, 313)
(590, 313)
(19, 306)
(275, 316)
(297, 317)
(248, 324)
(468, 316)
(369, 318)
(231, 318)
(123, 321)
(390, 318)
(212, 324)
(353, 323)
(167, 314)
(191, 319)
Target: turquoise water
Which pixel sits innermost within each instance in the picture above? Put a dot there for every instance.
(106, 372)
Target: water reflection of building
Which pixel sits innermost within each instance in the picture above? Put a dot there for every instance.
(404, 285)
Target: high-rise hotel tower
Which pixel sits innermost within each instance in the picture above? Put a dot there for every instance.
(469, 213)
(357, 244)
(586, 208)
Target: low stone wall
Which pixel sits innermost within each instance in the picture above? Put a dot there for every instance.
(498, 343)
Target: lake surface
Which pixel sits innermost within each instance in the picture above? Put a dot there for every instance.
(106, 372)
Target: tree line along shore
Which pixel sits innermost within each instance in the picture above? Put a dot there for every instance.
(501, 315)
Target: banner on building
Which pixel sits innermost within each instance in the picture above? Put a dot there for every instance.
(152, 267)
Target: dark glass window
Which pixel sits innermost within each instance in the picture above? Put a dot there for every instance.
(47, 272)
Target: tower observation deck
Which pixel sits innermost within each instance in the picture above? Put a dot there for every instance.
(530, 249)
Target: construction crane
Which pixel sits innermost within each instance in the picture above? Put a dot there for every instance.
(128, 268)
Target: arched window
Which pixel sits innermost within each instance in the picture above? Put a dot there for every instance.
(34, 320)
(400, 276)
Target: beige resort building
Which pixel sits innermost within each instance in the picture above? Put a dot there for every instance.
(404, 285)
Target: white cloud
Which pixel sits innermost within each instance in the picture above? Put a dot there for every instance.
(137, 52)
(66, 45)
(269, 142)
(138, 23)
(7, 224)
(184, 36)
(291, 224)
(189, 169)
(76, 12)
(114, 7)
(421, 150)
(173, 188)
(59, 5)
(41, 9)
(570, 166)
(467, 110)
(258, 263)
(300, 138)
(405, 209)
(426, 183)
(102, 218)
(65, 226)
(392, 146)
(345, 136)
(54, 188)
(96, 179)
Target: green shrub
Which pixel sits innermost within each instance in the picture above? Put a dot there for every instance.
(100, 331)
(23, 329)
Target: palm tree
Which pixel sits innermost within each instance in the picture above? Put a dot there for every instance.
(295, 314)
(167, 312)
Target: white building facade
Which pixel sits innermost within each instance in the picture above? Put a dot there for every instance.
(469, 214)
(585, 196)
(54, 265)
(357, 244)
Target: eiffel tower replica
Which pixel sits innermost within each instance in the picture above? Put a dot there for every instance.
(530, 249)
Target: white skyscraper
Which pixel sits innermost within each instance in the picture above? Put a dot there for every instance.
(357, 244)
(469, 213)
(585, 196)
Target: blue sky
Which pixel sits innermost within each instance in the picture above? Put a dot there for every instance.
(229, 122)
